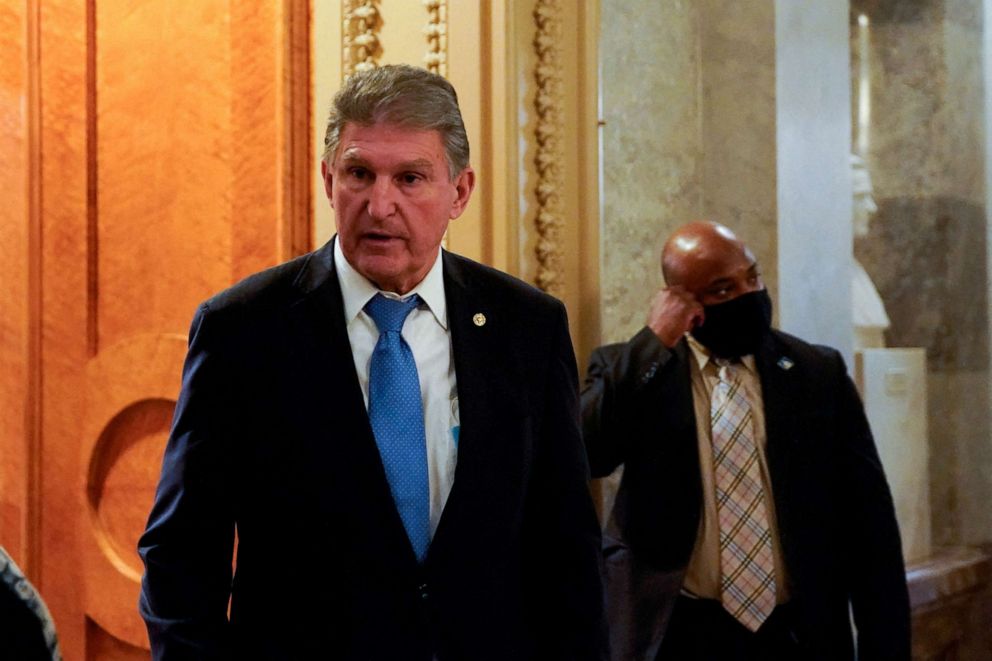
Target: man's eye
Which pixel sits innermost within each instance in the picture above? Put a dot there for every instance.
(358, 173)
(411, 178)
(722, 292)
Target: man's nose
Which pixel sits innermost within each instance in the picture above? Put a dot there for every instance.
(382, 198)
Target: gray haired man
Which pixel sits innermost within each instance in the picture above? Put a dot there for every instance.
(391, 429)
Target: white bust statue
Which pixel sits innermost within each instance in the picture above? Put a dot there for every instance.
(870, 319)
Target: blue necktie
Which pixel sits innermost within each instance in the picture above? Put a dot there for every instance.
(397, 417)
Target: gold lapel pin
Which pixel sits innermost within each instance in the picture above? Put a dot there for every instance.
(479, 319)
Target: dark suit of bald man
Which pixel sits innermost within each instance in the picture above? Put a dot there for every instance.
(836, 519)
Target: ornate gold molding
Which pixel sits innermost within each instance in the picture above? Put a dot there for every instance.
(547, 103)
(436, 58)
(436, 30)
(360, 35)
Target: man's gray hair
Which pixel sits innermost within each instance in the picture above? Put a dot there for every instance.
(401, 95)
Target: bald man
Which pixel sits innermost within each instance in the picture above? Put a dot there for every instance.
(753, 517)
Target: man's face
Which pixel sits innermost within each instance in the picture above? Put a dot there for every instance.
(392, 199)
(723, 274)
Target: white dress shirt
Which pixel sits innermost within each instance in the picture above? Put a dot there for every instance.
(426, 332)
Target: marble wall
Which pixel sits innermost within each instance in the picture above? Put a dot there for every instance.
(926, 249)
(738, 125)
(689, 133)
(651, 150)
(710, 112)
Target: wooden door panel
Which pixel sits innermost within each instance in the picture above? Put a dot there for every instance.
(170, 166)
(131, 389)
(17, 225)
(164, 170)
(103, 646)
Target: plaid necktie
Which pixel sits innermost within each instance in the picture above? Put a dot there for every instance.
(396, 414)
(747, 571)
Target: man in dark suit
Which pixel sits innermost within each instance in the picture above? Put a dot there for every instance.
(753, 517)
(450, 522)
(27, 632)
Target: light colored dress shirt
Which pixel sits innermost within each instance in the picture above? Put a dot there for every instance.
(702, 577)
(426, 331)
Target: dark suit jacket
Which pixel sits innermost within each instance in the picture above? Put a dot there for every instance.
(271, 437)
(836, 519)
(27, 632)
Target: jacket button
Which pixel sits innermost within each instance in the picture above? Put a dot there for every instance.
(649, 373)
(424, 594)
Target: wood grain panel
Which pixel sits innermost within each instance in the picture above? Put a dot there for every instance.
(131, 389)
(122, 478)
(163, 167)
(64, 348)
(165, 162)
(298, 98)
(15, 226)
(256, 99)
(102, 645)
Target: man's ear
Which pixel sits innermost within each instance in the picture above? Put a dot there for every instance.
(327, 174)
(464, 185)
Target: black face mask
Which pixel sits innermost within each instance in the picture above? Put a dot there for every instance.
(736, 328)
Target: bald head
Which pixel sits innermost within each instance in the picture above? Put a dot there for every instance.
(709, 261)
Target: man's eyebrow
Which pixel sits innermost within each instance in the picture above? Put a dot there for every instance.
(352, 157)
(417, 164)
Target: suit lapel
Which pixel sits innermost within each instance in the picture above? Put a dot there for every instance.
(781, 388)
(338, 433)
(481, 377)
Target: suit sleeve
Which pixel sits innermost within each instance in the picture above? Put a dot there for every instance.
(614, 375)
(879, 597)
(188, 544)
(565, 532)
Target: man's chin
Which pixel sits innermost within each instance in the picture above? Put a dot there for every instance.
(385, 273)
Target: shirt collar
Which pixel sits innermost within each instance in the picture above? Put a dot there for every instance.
(357, 290)
(703, 355)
